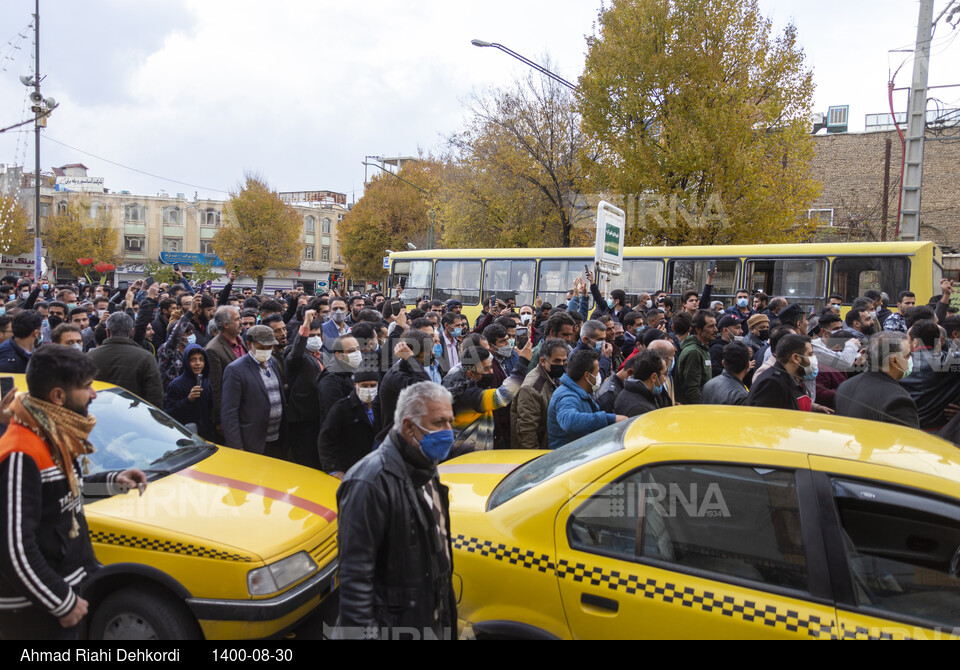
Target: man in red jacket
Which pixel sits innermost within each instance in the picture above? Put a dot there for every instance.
(45, 550)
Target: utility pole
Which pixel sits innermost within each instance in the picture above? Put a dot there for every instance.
(886, 191)
(37, 244)
(916, 127)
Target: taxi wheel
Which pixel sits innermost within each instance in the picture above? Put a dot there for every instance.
(142, 613)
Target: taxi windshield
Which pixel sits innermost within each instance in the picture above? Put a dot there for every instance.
(131, 433)
(558, 461)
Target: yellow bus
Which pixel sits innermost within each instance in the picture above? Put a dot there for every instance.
(803, 273)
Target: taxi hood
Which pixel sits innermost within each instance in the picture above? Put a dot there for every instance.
(473, 477)
(252, 505)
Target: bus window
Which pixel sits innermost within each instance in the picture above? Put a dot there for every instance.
(937, 278)
(855, 275)
(638, 277)
(691, 275)
(802, 280)
(510, 279)
(556, 278)
(459, 280)
(417, 276)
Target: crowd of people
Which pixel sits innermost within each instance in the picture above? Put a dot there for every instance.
(315, 379)
(378, 392)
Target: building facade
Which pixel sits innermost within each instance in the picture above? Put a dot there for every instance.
(178, 229)
(851, 169)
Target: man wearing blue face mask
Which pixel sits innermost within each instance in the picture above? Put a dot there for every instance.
(593, 335)
(337, 325)
(450, 330)
(394, 527)
(741, 305)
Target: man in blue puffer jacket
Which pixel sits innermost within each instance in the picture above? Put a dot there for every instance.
(573, 412)
(189, 397)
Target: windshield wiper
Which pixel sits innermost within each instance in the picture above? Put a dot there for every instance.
(182, 450)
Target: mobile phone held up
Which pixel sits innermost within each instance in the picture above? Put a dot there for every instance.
(6, 385)
(711, 267)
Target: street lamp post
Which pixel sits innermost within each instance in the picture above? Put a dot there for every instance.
(410, 183)
(42, 107)
(526, 61)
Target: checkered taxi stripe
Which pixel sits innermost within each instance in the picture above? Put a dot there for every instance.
(166, 547)
(706, 601)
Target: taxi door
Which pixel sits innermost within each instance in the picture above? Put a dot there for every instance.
(696, 542)
(894, 542)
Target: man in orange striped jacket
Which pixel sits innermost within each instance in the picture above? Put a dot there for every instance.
(45, 550)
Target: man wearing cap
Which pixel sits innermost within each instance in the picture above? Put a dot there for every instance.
(729, 327)
(758, 326)
(252, 402)
(454, 305)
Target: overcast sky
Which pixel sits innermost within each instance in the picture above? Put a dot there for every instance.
(301, 90)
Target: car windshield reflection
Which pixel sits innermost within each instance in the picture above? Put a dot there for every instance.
(132, 433)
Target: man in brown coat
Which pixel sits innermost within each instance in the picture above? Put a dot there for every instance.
(528, 416)
(223, 350)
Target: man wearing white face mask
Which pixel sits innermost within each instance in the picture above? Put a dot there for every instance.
(338, 382)
(253, 403)
(351, 426)
(304, 368)
(68, 335)
(781, 387)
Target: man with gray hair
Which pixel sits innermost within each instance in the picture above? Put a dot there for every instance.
(223, 350)
(593, 336)
(876, 394)
(394, 527)
(123, 362)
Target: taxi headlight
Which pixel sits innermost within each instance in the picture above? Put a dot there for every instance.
(278, 576)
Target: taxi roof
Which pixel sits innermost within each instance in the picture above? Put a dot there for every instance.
(801, 432)
(20, 381)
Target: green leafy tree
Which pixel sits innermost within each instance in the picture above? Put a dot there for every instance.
(260, 232)
(162, 274)
(697, 109)
(514, 173)
(390, 215)
(203, 272)
(15, 238)
(74, 234)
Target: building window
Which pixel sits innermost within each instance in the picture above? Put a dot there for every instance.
(211, 217)
(95, 209)
(62, 207)
(823, 217)
(172, 245)
(325, 253)
(45, 209)
(171, 216)
(206, 247)
(308, 253)
(134, 213)
(134, 244)
(325, 226)
(311, 224)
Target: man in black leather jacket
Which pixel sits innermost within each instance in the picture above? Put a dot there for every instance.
(394, 529)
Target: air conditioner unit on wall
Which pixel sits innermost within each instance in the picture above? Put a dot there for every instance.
(837, 118)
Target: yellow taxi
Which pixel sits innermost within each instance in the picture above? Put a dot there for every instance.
(727, 522)
(223, 544)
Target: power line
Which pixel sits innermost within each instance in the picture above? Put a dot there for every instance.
(133, 169)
